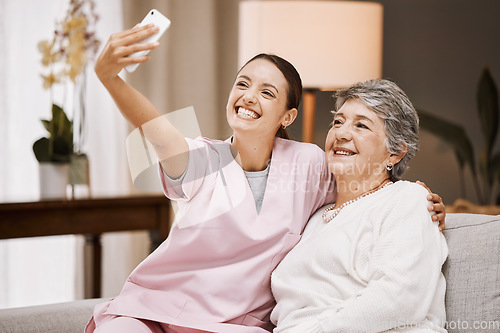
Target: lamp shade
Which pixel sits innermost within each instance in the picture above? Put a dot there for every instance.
(332, 44)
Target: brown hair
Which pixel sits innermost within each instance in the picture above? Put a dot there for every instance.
(294, 92)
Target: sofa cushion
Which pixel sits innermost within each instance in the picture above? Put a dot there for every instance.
(472, 273)
(55, 318)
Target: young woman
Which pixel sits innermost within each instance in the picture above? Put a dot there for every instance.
(243, 202)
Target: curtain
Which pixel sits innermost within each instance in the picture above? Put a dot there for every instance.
(49, 269)
(196, 62)
(195, 65)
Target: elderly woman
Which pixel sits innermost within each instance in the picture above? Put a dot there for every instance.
(369, 262)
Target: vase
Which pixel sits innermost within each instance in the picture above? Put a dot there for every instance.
(79, 93)
(79, 165)
(54, 180)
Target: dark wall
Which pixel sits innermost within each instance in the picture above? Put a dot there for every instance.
(436, 50)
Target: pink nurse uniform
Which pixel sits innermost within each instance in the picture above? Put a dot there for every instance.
(213, 271)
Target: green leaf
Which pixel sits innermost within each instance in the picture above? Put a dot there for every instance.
(62, 146)
(62, 139)
(58, 147)
(452, 134)
(487, 106)
(46, 124)
(41, 150)
(58, 116)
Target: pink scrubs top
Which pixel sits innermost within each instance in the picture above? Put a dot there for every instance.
(213, 271)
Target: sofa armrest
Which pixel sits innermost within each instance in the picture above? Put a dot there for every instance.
(54, 318)
(472, 273)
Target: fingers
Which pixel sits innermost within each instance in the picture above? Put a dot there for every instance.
(435, 198)
(438, 207)
(138, 34)
(135, 29)
(126, 51)
(437, 203)
(126, 43)
(423, 184)
(134, 60)
(438, 217)
(120, 51)
(441, 219)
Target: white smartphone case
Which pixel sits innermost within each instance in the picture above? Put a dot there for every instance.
(153, 16)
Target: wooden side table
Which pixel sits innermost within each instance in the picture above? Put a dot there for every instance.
(89, 217)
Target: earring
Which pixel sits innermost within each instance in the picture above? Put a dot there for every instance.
(389, 167)
(284, 126)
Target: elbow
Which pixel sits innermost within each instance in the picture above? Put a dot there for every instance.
(413, 297)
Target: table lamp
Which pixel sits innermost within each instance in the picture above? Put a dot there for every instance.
(333, 44)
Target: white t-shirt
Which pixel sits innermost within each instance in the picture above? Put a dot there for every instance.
(257, 180)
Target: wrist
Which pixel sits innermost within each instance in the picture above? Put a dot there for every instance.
(109, 82)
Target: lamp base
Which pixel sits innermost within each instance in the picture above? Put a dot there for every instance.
(309, 109)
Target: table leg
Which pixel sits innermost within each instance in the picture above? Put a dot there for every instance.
(157, 236)
(93, 263)
(155, 240)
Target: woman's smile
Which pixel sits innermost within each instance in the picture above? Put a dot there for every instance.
(357, 143)
(246, 113)
(259, 92)
(339, 151)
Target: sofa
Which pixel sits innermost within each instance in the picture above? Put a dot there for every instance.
(472, 272)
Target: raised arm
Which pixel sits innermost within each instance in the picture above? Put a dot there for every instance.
(170, 145)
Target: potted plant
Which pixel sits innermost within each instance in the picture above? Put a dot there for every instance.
(58, 146)
(54, 154)
(485, 168)
(64, 59)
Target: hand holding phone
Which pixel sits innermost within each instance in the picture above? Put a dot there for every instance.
(155, 17)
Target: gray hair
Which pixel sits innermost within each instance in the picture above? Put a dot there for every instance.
(391, 104)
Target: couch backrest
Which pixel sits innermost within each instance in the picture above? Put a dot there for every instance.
(68, 317)
(472, 273)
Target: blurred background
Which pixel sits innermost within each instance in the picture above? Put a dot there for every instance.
(435, 50)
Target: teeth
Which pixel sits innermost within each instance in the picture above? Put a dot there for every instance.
(245, 112)
(342, 152)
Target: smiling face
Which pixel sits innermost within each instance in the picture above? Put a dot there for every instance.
(356, 148)
(257, 102)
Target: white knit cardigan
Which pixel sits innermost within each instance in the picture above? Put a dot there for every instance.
(375, 267)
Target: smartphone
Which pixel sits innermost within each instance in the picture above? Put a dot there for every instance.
(153, 16)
